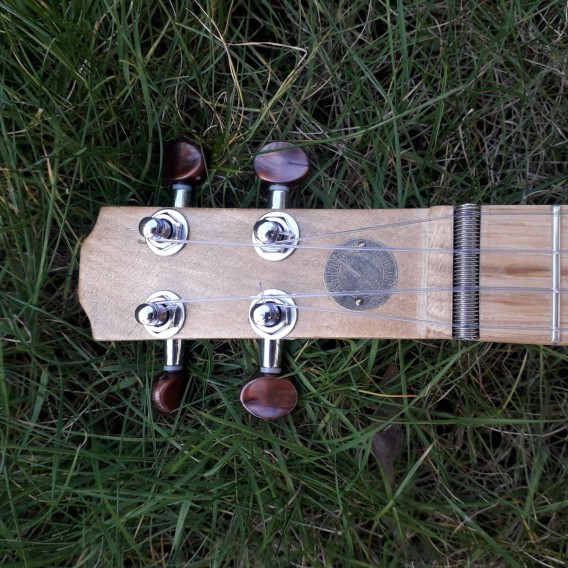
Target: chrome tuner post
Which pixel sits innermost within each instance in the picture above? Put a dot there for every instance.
(275, 236)
(183, 167)
(280, 165)
(272, 315)
(163, 317)
(164, 224)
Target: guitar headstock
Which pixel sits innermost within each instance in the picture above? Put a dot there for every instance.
(183, 273)
(219, 272)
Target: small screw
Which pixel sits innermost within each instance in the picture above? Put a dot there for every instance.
(361, 244)
(359, 301)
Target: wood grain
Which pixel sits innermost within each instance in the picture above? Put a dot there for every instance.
(118, 272)
(519, 317)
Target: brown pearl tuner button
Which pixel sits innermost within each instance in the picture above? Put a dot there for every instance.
(183, 162)
(282, 163)
(269, 397)
(168, 390)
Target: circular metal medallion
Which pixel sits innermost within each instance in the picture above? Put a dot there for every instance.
(367, 269)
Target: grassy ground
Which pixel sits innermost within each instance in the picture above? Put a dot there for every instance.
(401, 104)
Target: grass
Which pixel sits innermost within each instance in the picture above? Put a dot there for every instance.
(399, 104)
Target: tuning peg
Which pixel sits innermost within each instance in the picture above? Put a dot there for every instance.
(168, 390)
(269, 396)
(169, 387)
(162, 317)
(183, 166)
(281, 165)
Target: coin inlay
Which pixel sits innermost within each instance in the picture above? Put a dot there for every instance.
(367, 268)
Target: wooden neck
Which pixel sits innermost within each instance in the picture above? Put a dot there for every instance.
(523, 317)
(118, 272)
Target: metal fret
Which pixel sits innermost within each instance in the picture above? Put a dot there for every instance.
(555, 274)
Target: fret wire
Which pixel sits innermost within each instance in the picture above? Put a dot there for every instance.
(555, 274)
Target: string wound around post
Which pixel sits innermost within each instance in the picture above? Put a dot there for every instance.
(273, 314)
(161, 228)
(275, 236)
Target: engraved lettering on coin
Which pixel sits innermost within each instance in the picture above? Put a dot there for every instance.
(368, 268)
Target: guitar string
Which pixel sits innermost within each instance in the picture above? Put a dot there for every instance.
(361, 249)
(361, 314)
(292, 243)
(433, 323)
(414, 222)
(382, 317)
(422, 250)
(363, 293)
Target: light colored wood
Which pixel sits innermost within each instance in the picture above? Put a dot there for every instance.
(514, 317)
(564, 278)
(118, 272)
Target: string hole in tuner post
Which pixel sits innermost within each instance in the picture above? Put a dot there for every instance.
(160, 314)
(155, 229)
(273, 314)
(164, 230)
(275, 236)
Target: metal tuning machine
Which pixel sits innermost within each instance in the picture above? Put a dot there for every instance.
(273, 316)
(281, 165)
(184, 166)
(162, 228)
(162, 317)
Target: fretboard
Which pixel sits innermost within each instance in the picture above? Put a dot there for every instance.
(531, 242)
